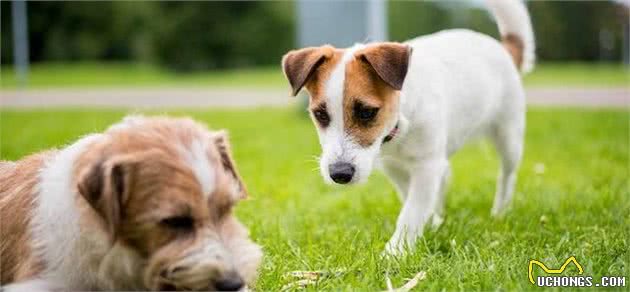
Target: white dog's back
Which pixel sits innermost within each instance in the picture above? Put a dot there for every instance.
(477, 83)
(472, 78)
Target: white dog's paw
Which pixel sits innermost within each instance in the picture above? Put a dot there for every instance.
(436, 221)
(394, 248)
(498, 211)
(400, 244)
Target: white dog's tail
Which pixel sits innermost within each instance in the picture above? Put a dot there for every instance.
(516, 31)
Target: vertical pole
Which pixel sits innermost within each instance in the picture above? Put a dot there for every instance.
(626, 42)
(20, 42)
(376, 20)
(302, 38)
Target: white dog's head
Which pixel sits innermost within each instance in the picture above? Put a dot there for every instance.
(354, 102)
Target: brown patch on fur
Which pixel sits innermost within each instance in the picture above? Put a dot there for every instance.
(515, 47)
(372, 77)
(363, 84)
(310, 67)
(316, 81)
(390, 61)
(18, 187)
(128, 181)
(225, 154)
(158, 180)
(155, 182)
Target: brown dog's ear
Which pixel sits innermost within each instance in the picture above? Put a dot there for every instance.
(220, 141)
(106, 186)
(390, 61)
(299, 65)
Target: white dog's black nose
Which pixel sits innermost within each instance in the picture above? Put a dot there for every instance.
(341, 172)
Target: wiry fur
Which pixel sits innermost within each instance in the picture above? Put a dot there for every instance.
(172, 167)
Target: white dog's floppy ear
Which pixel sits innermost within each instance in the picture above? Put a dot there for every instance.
(220, 141)
(390, 61)
(299, 65)
(106, 187)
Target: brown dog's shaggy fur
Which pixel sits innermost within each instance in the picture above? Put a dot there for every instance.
(149, 206)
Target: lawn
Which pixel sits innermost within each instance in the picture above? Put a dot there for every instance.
(128, 75)
(572, 199)
(77, 75)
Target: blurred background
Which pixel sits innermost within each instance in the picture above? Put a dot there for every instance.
(238, 45)
(72, 68)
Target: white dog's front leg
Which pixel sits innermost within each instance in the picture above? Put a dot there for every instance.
(422, 202)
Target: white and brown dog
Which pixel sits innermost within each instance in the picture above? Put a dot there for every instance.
(380, 104)
(145, 205)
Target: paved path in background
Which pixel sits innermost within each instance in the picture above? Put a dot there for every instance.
(186, 97)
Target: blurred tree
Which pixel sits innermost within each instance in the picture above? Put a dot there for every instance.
(565, 30)
(67, 31)
(479, 19)
(6, 35)
(181, 35)
(571, 30)
(409, 19)
(188, 36)
(205, 35)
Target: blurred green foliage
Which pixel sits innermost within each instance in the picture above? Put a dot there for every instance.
(573, 29)
(565, 30)
(202, 35)
(192, 36)
(184, 36)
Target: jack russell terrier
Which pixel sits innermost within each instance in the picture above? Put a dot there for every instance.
(146, 205)
(409, 112)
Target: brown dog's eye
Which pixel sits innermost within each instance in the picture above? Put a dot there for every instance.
(364, 114)
(322, 116)
(182, 223)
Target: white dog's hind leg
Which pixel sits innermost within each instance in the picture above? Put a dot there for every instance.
(508, 139)
(421, 203)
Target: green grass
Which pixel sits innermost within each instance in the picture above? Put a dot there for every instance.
(579, 74)
(131, 75)
(127, 75)
(579, 206)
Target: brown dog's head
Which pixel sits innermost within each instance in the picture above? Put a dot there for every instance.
(164, 190)
(354, 96)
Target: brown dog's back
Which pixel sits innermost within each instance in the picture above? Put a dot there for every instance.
(18, 187)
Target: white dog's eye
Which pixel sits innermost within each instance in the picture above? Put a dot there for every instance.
(364, 114)
(321, 115)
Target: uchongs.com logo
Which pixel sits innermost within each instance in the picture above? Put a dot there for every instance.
(554, 277)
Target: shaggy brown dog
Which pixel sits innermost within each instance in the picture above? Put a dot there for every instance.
(145, 205)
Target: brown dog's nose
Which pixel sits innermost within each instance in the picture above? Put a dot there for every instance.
(341, 172)
(229, 282)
